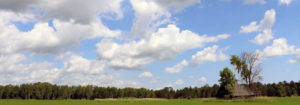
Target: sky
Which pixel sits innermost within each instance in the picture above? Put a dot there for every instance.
(145, 43)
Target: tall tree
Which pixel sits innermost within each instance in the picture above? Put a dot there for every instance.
(227, 83)
(248, 66)
(1, 91)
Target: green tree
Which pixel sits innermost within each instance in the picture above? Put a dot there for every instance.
(1, 91)
(88, 91)
(248, 66)
(7, 91)
(281, 91)
(227, 83)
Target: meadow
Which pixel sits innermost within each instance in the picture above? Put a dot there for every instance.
(132, 101)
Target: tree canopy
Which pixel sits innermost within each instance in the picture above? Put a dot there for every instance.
(248, 66)
(227, 83)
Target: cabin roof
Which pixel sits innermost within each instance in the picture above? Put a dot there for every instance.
(242, 91)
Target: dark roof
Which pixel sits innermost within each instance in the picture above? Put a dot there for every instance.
(242, 91)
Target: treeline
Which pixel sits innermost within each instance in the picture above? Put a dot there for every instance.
(50, 91)
(281, 89)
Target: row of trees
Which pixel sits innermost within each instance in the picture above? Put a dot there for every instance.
(281, 89)
(50, 91)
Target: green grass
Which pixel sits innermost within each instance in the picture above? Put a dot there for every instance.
(252, 101)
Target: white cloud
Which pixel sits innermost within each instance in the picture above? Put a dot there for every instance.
(65, 10)
(179, 82)
(136, 54)
(297, 57)
(177, 68)
(145, 75)
(264, 37)
(82, 12)
(262, 2)
(18, 68)
(209, 54)
(77, 63)
(265, 26)
(285, 2)
(70, 24)
(201, 80)
(77, 70)
(7, 61)
(43, 39)
(14, 69)
(292, 61)
(279, 47)
(151, 14)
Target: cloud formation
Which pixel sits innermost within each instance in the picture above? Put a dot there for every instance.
(61, 25)
(151, 14)
(264, 27)
(201, 80)
(279, 47)
(209, 54)
(179, 82)
(44, 39)
(145, 75)
(158, 47)
(178, 67)
(285, 2)
(76, 70)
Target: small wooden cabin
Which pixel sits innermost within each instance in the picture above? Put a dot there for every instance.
(242, 91)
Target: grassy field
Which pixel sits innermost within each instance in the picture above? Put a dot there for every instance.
(252, 101)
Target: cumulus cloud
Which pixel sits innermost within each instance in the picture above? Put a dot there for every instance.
(145, 75)
(201, 80)
(43, 39)
(71, 24)
(265, 27)
(14, 70)
(136, 54)
(285, 2)
(279, 47)
(151, 14)
(82, 12)
(7, 60)
(79, 64)
(179, 82)
(293, 61)
(73, 21)
(177, 68)
(297, 57)
(261, 2)
(65, 10)
(76, 70)
(209, 54)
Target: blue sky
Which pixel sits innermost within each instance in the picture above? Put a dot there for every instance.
(145, 43)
